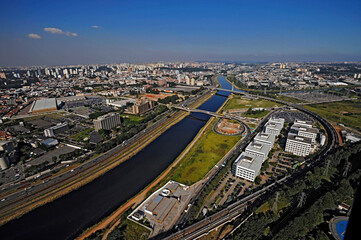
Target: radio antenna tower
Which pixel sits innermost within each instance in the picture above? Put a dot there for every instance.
(302, 200)
(326, 169)
(348, 166)
(274, 207)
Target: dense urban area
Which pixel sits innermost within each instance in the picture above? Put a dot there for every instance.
(274, 156)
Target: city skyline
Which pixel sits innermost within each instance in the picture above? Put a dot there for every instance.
(38, 33)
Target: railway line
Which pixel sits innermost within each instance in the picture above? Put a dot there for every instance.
(216, 220)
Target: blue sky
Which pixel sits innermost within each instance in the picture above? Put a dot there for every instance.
(61, 32)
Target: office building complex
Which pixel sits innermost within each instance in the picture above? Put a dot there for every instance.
(249, 163)
(301, 138)
(107, 121)
(300, 146)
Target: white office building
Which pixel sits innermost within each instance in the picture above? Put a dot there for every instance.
(298, 145)
(265, 138)
(274, 126)
(258, 149)
(248, 166)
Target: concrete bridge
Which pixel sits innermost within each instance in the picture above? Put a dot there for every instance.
(204, 111)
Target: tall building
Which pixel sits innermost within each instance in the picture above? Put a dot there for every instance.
(247, 166)
(300, 146)
(142, 107)
(107, 121)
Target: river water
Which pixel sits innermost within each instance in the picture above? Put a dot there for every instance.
(68, 216)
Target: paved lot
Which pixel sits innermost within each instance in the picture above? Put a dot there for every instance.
(49, 155)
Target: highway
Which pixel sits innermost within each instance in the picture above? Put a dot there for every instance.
(28, 194)
(216, 220)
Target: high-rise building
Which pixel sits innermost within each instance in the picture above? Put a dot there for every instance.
(107, 121)
(142, 107)
(300, 146)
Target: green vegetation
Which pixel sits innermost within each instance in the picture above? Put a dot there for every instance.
(237, 103)
(170, 99)
(129, 230)
(255, 113)
(133, 118)
(346, 112)
(267, 206)
(206, 152)
(308, 222)
(81, 135)
(125, 230)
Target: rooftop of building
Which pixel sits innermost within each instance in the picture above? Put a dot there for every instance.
(257, 146)
(248, 161)
(107, 116)
(299, 139)
(265, 137)
(43, 104)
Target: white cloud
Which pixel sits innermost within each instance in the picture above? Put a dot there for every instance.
(95, 26)
(54, 30)
(34, 36)
(70, 34)
(59, 31)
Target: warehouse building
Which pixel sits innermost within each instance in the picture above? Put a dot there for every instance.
(59, 128)
(44, 105)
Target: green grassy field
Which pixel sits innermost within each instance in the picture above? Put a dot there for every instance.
(133, 118)
(346, 112)
(237, 103)
(81, 135)
(282, 203)
(256, 115)
(209, 149)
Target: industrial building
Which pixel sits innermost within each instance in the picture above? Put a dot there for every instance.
(59, 128)
(7, 150)
(107, 121)
(44, 105)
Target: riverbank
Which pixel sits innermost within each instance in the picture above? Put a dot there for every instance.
(143, 193)
(113, 221)
(96, 171)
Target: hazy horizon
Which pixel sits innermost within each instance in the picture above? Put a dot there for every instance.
(93, 32)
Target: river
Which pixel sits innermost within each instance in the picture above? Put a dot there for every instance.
(68, 216)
